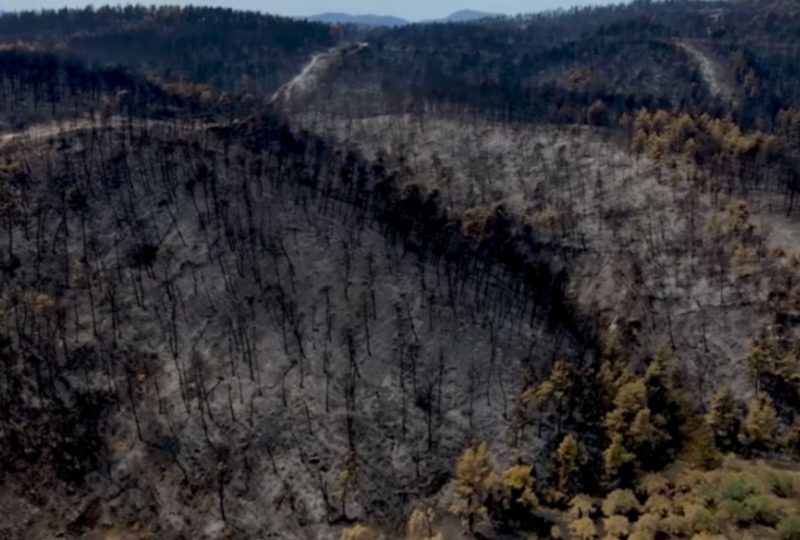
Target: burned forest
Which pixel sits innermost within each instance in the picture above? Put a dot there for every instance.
(518, 277)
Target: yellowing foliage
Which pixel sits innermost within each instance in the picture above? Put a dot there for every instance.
(518, 487)
(653, 483)
(620, 501)
(616, 527)
(723, 418)
(420, 525)
(658, 504)
(761, 422)
(630, 399)
(554, 387)
(569, 457)
(701, 139)
(583, 529)
(360, 532)
(580, 506)
(474, 483)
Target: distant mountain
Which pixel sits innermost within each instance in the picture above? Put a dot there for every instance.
(466, 15)
(360, 20)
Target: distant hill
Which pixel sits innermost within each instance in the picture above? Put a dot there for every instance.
(360, 20)
(176, 43)
(466, 15)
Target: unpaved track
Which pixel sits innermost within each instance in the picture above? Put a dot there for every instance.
(307, 80)
(712, 73)
(39, 132)
(304, 83)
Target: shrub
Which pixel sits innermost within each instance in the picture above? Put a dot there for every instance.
(658, 504)
(646, 528)
(583, 529)
(675, 525)
(736, 489)
(688, 482)
(782, 486)
(762, 510)
(789, 528)
(652, 484)
(620, 502)
(706, 492)
(616, 526)
(580, 506)
(736, 512)
(702, 519)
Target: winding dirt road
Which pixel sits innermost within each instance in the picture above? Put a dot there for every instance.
(303, 84)
(39, 132)
(35, 133)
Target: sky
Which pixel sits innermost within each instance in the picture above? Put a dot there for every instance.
(414, 10)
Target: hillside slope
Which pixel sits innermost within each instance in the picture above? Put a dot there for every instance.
(244, 330)
(513, 278)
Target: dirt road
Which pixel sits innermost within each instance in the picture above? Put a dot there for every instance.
(307, 80)
(713, 74)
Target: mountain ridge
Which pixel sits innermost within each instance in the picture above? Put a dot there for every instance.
(382, 21)
(467, 15)
(358, 19)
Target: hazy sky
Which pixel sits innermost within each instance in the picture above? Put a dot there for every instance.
(409, 9)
